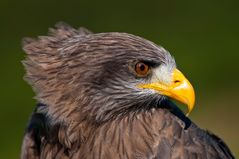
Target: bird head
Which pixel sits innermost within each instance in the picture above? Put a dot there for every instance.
(80, 75)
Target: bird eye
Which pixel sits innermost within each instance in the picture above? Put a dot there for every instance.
(141, 69)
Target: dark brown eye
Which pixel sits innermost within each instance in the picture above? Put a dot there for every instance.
(141, 69)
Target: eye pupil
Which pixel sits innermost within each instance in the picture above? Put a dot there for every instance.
(142, 67)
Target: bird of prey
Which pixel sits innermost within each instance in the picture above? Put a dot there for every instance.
(108, 96)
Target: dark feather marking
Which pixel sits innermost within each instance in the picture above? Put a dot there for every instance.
(176, 111)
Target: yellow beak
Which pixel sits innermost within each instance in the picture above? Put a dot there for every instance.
(179, 89)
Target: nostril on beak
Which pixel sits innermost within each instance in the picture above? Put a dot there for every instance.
(176, 81)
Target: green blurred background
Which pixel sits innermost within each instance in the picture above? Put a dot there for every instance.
(202, 35)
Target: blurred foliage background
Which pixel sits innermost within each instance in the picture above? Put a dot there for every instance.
(202, 35)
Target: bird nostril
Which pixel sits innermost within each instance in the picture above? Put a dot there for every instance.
(176, 81)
